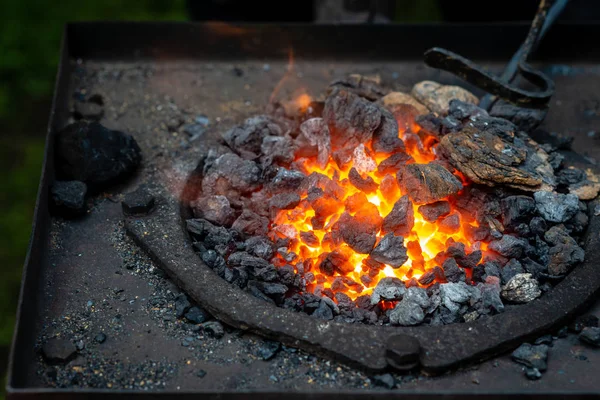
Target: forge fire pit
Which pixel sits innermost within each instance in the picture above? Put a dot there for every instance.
(317, 238)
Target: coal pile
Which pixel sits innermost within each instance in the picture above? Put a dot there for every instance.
(390, 208)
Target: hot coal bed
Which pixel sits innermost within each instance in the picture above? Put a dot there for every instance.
(369, 208)
(367, 236)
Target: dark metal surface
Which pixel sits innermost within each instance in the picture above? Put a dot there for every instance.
(70, 263)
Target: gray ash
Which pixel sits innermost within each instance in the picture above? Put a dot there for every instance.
(343, 218)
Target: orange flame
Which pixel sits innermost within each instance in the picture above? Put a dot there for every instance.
(424, 242)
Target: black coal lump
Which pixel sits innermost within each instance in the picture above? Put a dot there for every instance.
(94, 154)
(68, 198)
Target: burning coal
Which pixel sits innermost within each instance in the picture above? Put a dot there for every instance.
(369, 208)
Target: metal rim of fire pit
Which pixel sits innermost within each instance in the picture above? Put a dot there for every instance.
(374, 348)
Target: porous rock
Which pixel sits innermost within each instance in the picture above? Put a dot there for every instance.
(394, 98)
(437, 97)
(58, 350)
(521, 288)
(495, 155)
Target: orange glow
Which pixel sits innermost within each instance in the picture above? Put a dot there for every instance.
(423, 243)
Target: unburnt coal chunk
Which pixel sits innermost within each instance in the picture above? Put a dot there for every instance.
(350, 118)
(431, 212)
(516, 210)
(251, 223)
(57, 350)
(366, 185)
(510, 269)
(521, 288)
(401, 219)
(427, 183)
(93, 154)
(214, 208)
(230, 174)
(564, 253)
(286, 179)
(591, 336)
(532, 356)
(508, 246)
(68, 198)
(259, 246)
(247, 139)
(556, 207)
(389, 289)
(274, 291)
(390, 250)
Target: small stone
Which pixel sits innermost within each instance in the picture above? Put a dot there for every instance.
(100, 338)
(532, 356)
(201, 373)
(268, 349)
(138, 202)
(68, 198)
(533, 374)
(437, 97)
(56, 351)
(521, 288)
(394, 98)
(546, 339)
(197, 315)
(582, 322)
(386, 380)
(388, 288)
(590, 335)
(181, 305)
(214, 329)
(390, 250)
(556, 207)
(90, 109)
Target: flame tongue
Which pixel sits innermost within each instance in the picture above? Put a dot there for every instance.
(356, 225)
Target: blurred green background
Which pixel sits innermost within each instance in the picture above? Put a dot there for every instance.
(30, 34)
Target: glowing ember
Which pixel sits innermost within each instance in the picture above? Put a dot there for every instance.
(314, 225)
